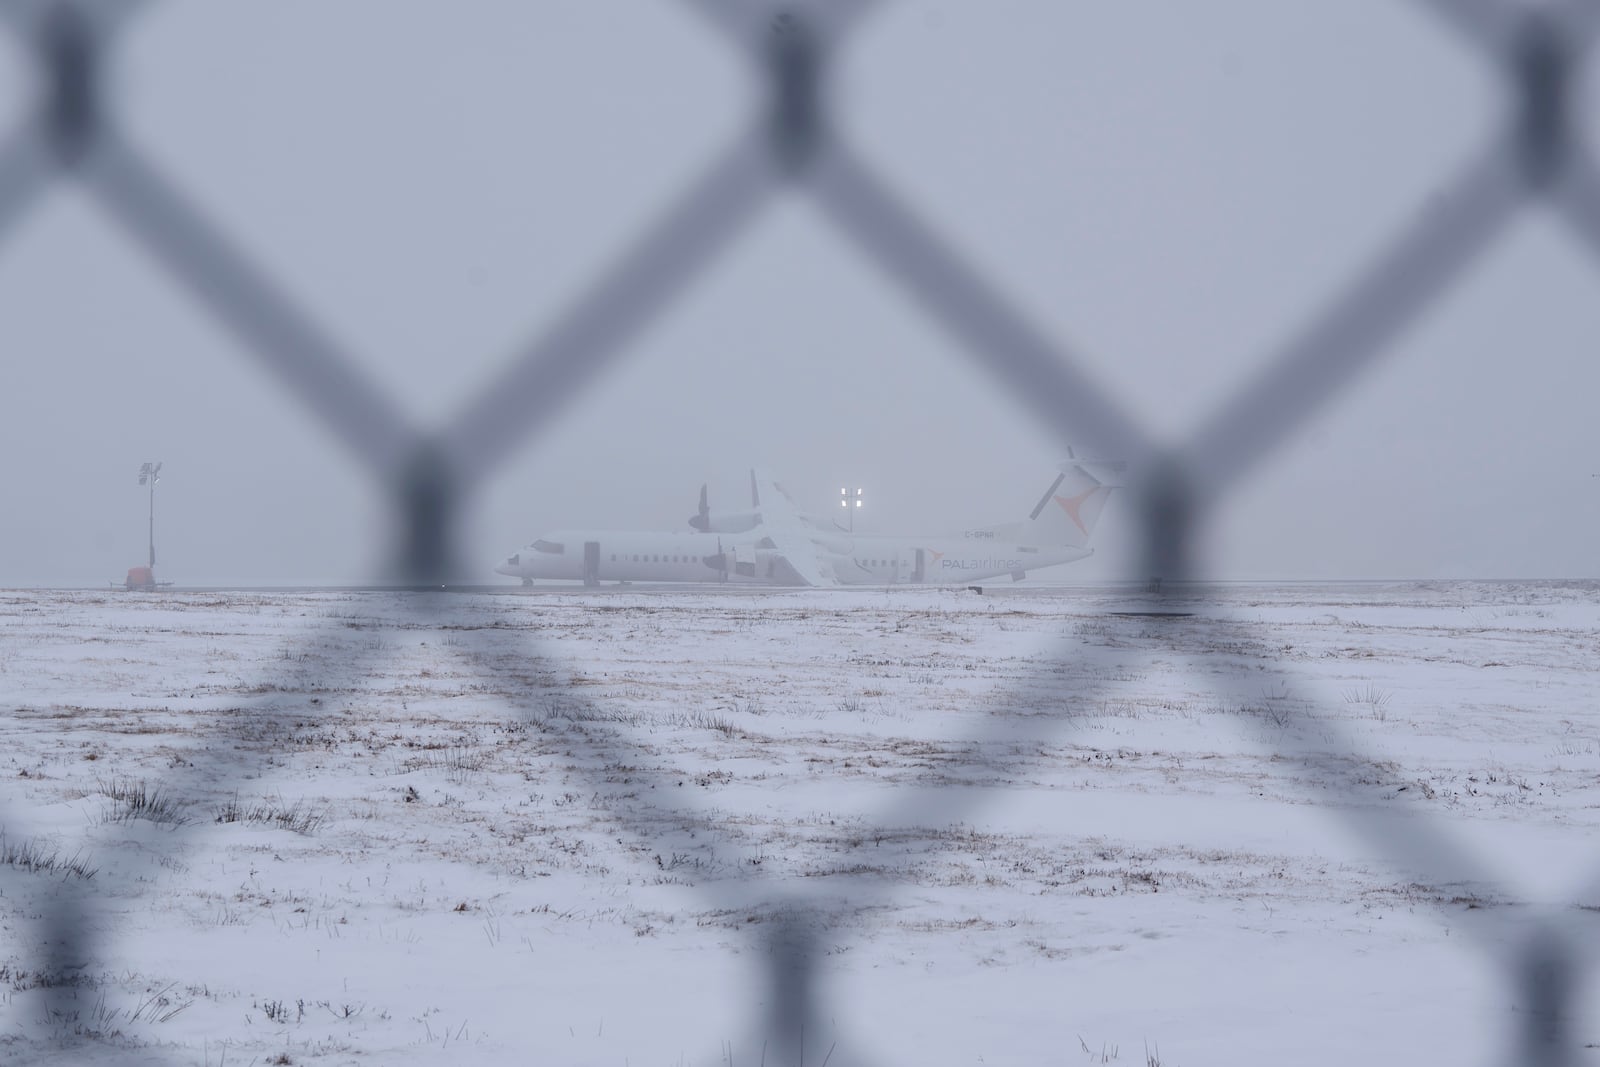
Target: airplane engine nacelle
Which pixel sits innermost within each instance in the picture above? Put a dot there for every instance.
(728, 522)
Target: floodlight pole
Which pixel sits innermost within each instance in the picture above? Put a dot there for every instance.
(150, 473)
(850, 499)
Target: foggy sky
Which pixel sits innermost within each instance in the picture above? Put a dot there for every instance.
(1169, 188)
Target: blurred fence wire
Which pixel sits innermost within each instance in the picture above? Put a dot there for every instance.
(1535, 162)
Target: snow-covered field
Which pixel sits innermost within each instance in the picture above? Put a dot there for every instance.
(1307, 824)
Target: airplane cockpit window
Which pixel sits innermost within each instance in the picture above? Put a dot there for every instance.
(555, 547)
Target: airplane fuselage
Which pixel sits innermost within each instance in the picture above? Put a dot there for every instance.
(594, 556)
(886, 560)
(622, 556)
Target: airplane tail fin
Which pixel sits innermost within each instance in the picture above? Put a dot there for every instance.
(1068, 511)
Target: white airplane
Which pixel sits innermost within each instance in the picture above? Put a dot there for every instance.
(773, 544)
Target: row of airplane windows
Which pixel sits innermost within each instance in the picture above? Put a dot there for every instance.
(648, 558)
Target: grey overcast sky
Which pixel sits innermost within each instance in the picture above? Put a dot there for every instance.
(1170, 188)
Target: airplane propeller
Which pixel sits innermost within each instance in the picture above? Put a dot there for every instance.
(702, 520)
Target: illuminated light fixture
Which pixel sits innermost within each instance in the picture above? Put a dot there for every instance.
(850, 500)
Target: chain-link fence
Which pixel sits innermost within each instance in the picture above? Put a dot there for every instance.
(1535, 163)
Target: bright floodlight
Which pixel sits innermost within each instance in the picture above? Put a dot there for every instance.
(850, 499)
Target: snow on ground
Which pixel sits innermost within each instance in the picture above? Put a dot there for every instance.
(1302, 823)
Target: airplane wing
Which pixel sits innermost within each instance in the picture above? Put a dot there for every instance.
(791, 538)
